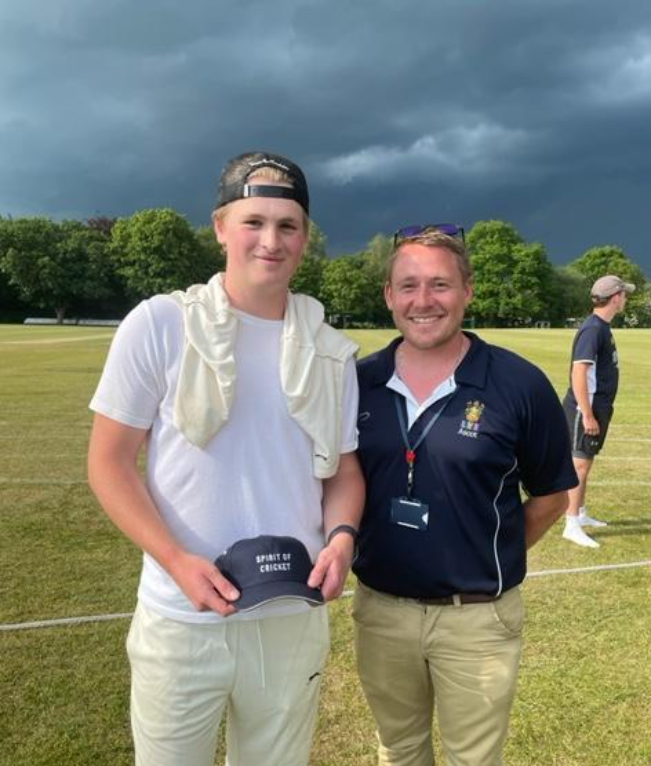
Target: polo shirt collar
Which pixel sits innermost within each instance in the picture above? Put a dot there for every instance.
(386, 363)
(472, 371)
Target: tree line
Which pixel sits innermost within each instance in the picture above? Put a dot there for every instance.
(102, 267)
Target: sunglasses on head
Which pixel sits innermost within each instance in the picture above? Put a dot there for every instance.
(409, 232)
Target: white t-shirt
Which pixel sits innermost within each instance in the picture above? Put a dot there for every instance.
(255, 477)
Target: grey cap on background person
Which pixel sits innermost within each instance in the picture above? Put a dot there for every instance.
(609, 285)
(234, 184)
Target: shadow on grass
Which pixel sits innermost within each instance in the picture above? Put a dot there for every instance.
(626, 528)
(631, 523)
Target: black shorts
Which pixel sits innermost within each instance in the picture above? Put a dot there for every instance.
(584, 445)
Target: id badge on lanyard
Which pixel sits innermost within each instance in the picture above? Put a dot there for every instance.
(409, 511)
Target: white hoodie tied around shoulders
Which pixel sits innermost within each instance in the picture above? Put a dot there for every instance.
(312, 361)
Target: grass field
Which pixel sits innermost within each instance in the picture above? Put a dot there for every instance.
(585, 687)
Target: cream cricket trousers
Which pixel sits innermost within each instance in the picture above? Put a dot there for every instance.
(265, 674)
(460, 660)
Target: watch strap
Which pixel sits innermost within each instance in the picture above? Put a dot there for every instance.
(347, 528)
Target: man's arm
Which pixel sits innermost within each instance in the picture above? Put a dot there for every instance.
(540, 513)
(580, 390)
(114, 478)
(343, 503)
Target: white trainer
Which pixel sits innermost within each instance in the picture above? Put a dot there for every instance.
(588, 521)
(575, 534)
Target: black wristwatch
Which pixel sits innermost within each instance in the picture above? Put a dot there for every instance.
(349, 531)
(342, 528)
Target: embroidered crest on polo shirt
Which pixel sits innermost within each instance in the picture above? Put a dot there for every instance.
(471, 421)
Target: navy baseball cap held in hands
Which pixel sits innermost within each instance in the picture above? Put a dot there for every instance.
(268, 568)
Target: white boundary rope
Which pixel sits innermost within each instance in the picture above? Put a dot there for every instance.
(596, 568)
(65, 621)
(347, 593)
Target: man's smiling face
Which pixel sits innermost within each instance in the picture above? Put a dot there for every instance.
(427, 295)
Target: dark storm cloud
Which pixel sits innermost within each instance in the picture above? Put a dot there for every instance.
(531, 112)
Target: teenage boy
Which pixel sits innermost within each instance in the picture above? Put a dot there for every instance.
(246, 401)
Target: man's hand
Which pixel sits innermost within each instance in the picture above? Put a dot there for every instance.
(203, 584)
(540, 513)
(590, 425)
(332, 566)
(579, 376)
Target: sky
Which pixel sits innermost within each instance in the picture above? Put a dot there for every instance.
(399, 111)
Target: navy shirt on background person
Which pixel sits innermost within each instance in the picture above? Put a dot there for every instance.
(594, 343)
(503, 427)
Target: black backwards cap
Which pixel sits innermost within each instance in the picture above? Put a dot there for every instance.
(234, 185)
(268, 568)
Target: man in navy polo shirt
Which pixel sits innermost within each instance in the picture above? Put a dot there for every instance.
(450, 429)
(588, 404)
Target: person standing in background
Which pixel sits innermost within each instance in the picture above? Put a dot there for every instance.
(589, 401)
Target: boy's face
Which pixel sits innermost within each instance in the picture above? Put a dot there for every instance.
(264, 239)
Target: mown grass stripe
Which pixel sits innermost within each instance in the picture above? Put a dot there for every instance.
(49, 341)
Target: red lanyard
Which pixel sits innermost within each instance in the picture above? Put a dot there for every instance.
(410, 452)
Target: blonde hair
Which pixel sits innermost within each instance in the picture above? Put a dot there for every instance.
(436, 238)
(274, 175)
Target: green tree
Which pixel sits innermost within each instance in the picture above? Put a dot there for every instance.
(102, 223)
(607, 259)
(316, 242)
(639, 315)
(88, 248)
(345, 289)
(512, 279)
(210, 257)
(11, 306)
(112, 300)
(532, 281)
(308, 278)
(53, 265)
(375, 259)
(611, 259)
(570, 295)
(155, 251)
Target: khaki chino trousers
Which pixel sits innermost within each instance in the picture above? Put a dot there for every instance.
(460, 660)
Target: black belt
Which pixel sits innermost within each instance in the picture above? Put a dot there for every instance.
(458, 598)
(455, 599)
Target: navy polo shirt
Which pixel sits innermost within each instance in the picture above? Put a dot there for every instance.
(503, 427)
(594, 342)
